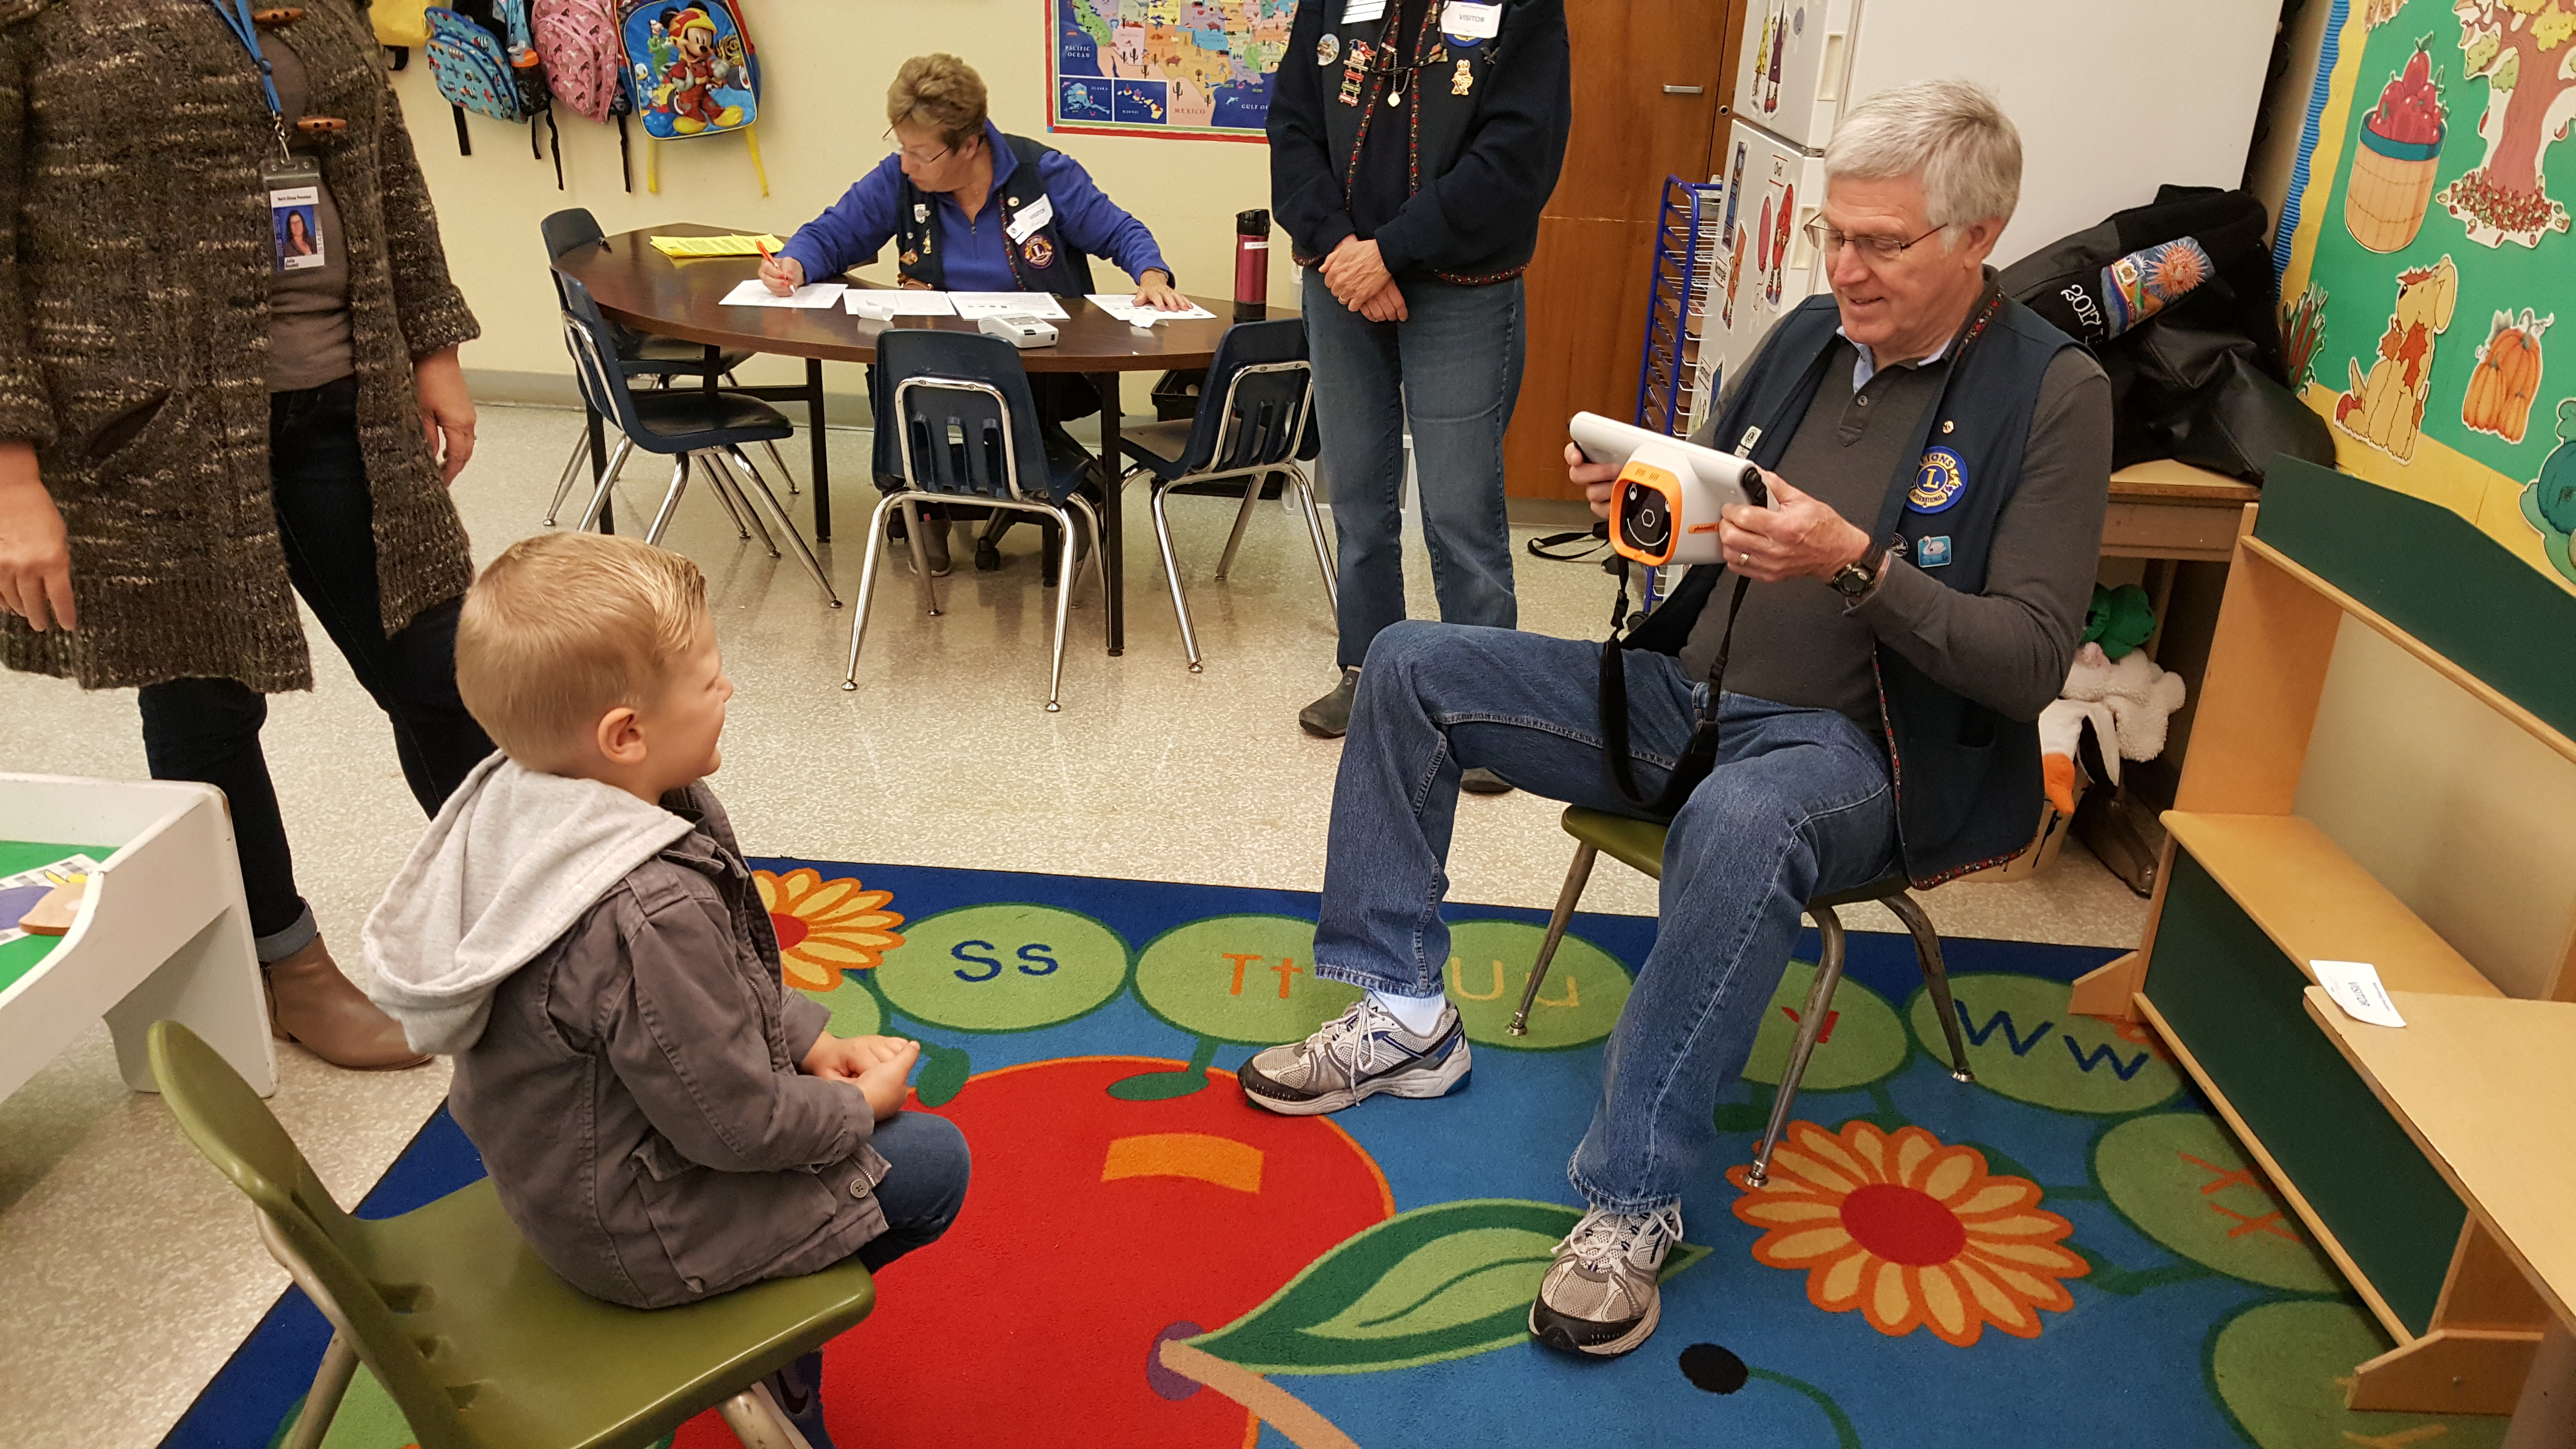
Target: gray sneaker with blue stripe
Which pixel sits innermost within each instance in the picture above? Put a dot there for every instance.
(1355, 1056)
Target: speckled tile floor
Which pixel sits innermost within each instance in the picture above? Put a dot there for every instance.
(124, 1258)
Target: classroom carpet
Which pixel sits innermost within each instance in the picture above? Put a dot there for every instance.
(2070, 1251)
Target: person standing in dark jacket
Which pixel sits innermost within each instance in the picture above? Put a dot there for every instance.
(1412, 143)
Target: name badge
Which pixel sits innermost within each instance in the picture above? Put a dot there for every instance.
(294, 189)
(1354, 11)
(1024, 225)
(1466, 20)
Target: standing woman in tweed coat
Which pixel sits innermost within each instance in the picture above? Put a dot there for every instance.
(219, 390)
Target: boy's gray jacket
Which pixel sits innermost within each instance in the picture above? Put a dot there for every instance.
(626, 1057)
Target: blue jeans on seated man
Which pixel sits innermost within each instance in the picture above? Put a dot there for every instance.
(1799, 804)
(1453, 368)
(924, 1186)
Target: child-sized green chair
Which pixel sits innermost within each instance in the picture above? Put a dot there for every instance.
(476, 1340)
(1640, 844)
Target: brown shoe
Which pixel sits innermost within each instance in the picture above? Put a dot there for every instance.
(311, 1004)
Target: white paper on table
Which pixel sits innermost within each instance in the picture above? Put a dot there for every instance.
(883, 303)
(1123, 306)
(2355, 987)
(755, 293)
(1006, 304)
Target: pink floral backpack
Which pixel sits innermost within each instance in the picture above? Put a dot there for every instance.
(584, 64)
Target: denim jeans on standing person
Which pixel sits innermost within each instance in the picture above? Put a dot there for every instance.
(1799, 804)
(1453, 368)
(208, 729)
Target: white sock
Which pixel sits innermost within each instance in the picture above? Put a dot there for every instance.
(1418, 1013)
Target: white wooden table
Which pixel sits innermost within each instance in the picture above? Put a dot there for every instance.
(162, 932)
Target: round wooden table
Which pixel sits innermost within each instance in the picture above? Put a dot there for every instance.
(634, 284)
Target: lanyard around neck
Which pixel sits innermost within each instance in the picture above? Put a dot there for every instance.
(236, 18)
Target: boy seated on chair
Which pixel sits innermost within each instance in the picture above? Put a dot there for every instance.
(662, 1120)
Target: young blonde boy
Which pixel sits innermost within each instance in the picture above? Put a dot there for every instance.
(578, 930)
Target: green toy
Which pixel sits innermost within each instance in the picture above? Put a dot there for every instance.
(2122, 619)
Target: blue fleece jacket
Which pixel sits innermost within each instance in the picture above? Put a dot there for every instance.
(858, 225)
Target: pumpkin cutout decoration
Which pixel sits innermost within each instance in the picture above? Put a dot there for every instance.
(2507, 376)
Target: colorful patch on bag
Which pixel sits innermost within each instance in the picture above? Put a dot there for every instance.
(1938, 482)
(1039, 251)
(2143, 283)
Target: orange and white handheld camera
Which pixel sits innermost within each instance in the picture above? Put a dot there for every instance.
(1664, 507)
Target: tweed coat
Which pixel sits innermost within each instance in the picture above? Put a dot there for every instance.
(135, 257)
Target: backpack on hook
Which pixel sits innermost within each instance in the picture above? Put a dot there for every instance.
(585, 65)
(484, 57)
(692, 71)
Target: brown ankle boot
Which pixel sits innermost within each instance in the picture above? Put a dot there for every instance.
(312, 1004)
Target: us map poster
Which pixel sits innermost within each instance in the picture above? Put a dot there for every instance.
(1196, 68)
(2426, 260)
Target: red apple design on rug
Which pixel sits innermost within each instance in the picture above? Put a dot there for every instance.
(1096, 1228)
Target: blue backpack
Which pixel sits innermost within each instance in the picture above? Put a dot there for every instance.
(483, 55)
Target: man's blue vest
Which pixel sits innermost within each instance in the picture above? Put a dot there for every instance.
(1968, 787)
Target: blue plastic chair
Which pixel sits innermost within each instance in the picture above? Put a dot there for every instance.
(967, 429)
(641, 354)
(1255, 419)
(691, 426)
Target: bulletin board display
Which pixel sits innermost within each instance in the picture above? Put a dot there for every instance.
(1192, 68)
(2427, 264)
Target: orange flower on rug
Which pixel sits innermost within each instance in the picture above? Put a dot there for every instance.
(826, 927)
(1910, 1232)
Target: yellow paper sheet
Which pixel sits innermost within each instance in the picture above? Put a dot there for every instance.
(715, 246)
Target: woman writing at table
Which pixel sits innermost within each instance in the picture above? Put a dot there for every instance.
(973, 210)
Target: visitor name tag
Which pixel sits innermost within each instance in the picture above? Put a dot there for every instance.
(1025, 225)
(1354, 11)
(1469, 21)
(2355, 986)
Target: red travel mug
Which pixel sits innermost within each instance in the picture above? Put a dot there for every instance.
(1251, 265)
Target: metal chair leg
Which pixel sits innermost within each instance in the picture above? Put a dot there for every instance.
(1242, 516)
(804, 551)
(792, 490)
(322, 1401)
(1172, 572)
(1315, 533)
(1063, 604)
(571, 470)
(868, 581)
(909, 503)
(1811, 1025)
(735, 494)
(1927, 954)
(670, 500)
(1091, 568)
(1576, 877)
(607, 481)
(723, 489)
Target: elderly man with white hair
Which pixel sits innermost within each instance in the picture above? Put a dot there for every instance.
(1938, 460)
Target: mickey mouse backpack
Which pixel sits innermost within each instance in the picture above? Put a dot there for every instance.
(692, 71)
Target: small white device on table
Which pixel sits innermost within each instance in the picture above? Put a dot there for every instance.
(1665, 504)
(1019, 330)
(161, 930)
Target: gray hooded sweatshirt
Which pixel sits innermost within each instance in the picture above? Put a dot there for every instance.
(626, 1055)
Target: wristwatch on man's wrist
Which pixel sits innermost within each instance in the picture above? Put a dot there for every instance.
(1857, 578)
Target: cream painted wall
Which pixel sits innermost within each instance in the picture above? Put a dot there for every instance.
(825, 67)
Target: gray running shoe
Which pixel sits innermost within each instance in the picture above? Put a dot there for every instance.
(1481, 781)
(1600, 1295)
(1361, 1053)
(1330, 717)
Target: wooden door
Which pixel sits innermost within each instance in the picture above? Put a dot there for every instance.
(1650, 95)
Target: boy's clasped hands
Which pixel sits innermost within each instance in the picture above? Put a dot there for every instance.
(876, 1065)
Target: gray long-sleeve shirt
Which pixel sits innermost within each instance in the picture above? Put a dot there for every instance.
(2008, 647)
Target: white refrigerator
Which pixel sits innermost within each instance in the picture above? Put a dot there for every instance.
(2111, 100)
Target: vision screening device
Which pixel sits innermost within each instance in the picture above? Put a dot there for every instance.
(1664, 508)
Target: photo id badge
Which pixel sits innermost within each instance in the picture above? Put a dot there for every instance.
(294, 189)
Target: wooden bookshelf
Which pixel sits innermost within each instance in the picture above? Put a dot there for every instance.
(2249, 893)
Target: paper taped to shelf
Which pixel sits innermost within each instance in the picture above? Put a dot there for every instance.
(2355, 987)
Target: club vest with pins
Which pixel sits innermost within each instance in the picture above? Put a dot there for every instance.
(1446, 75)
(1968, 786)
(1041, 261)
